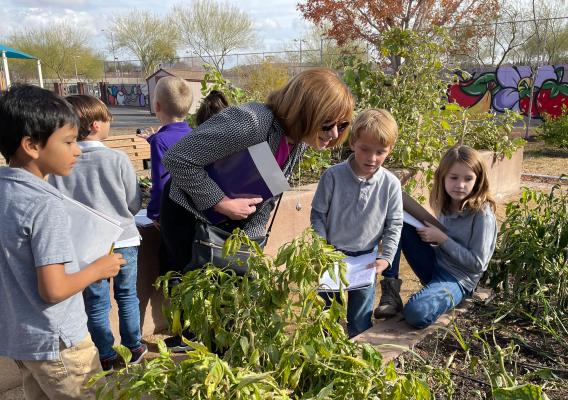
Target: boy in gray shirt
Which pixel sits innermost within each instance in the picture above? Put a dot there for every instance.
(358, 204)
(41, 308)
(104, 179)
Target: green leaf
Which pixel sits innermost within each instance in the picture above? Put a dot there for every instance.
(214, 377)
(390, 372)
(252, 378)
(522, 392)
(244, 344)
(123, 352)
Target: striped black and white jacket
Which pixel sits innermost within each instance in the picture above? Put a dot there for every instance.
(230, 131)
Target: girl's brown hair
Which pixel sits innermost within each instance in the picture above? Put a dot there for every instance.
(309, 100)
(89, 109)
(480, 195)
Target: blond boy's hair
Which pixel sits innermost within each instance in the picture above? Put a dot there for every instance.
(377, 122)
(174, 95)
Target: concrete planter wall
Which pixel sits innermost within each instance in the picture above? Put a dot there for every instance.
(504, 177)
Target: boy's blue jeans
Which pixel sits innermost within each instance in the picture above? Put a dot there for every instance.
(97, 305)
(441, 291)
(360, 303)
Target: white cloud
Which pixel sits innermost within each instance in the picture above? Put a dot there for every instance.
(276, 21)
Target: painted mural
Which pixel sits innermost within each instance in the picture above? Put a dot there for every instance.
(135, 95)
(510, 88)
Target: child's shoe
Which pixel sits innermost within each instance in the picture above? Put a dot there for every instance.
(391, 303)
(108, 363)
(138, 354)
(176, 345)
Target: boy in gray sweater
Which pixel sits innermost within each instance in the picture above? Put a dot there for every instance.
(358, 204)
(105, 180)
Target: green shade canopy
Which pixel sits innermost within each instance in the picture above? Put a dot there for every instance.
(12, 53)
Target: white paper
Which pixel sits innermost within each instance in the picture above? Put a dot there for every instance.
(92, 232)
(141, 218)
(268, 168)
(409, 219)
(358, 274)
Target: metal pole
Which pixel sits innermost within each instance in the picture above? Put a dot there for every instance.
(40, 75)
(6, 70)
(76, 74)
(321, 51)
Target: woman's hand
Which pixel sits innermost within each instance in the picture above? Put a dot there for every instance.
(237, 209)
(431, 234)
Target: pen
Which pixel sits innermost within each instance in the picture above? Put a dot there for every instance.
(111, 249)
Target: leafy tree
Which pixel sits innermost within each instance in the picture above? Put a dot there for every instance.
(366, 20)
(151, 39)
(415, 95)
(213, 30)
(319, 49)
(549, 42)
(261, 79)
(59, 47)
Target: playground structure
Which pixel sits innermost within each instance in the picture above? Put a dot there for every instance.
(8, 52)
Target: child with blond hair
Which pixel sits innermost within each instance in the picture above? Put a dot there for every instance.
(450, 263)
(172, 100)
(358, 205)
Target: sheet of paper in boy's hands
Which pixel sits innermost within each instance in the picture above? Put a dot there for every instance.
(357, 273)
(141, 218)
(92, 232)
(419, 213)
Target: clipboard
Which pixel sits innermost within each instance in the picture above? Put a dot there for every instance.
(417, 213)
(92, 232)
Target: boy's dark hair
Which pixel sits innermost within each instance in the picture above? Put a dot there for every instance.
(89, 109)
(210, 105)
(30, 111)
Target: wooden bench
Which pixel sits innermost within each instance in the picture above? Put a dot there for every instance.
(137, 149)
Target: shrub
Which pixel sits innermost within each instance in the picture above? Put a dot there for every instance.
(530, 264)
(554, 130)
(416, 96)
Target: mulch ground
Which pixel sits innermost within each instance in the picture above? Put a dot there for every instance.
(537, 357)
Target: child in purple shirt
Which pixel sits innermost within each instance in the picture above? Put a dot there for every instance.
(172, 101)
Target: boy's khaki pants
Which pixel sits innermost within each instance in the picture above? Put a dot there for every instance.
(64, 378)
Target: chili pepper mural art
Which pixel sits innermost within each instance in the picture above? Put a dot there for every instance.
(510, 87)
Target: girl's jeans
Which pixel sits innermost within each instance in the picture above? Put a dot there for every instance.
(97, 305)
(441, 291)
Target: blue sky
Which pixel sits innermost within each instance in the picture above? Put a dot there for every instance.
(276, 21)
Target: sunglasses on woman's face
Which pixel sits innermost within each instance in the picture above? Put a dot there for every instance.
(341, 126)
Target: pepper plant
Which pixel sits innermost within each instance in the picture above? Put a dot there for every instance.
(530, 264)
(266, 334)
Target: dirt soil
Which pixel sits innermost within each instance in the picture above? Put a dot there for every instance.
(538, 354)
(541, 159)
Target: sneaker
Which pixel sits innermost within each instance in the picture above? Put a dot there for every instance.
(176, 345)
(138, 354)
(108, 363)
